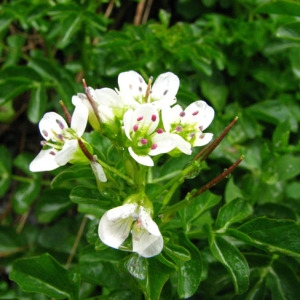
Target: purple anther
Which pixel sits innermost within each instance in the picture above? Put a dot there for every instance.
(43, 143)
(159, 130)
(144, 141)
(165, 92)
(201, 136)
(154, 146)
(60, 124)
(179, 128)
(201, 128)
(140, 118)
(195, 113)
(135, 127)
(153, 118)
(182, 114)
(52, 153)
(45, 133)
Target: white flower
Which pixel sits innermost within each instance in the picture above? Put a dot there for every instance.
(62, 142)
(144, 138)
(189, 123)
(116, 224)
(133, 89)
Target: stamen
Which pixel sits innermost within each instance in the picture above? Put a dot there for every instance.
(195, 113)
(60, 124)
(153, 118)
(165, 92)
(43, 143)
(52, 153)
(201, 136)
(45, 133)
(140, 118)
(201, 128)
(159, 130)
(148, 88)
(179, 128)
(182, 114)
(135, 127)
(144, 141)
(154, 146)
(60, 136)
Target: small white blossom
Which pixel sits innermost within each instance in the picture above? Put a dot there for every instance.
(133, 89)
(145, 139)
(189, 123)
(117, 223)
(61, 142)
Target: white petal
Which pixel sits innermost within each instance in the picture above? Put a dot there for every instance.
(182, 144)
(170, 115)
(44, 161)
(128, 122)
(204, 116)
(147, 240)
(203, 139)
(79, 119)
(145, 160)
(115, 225)
(131, 84)
(106, 114)
(98, 171)
(66, 153)
(164, 143)
(108, 97)
(50, 124)
(123, 212)
(148, 112)
(165, 88)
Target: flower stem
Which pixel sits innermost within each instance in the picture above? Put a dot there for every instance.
(190, 196)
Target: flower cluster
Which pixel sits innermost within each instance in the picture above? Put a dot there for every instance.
(141, 119)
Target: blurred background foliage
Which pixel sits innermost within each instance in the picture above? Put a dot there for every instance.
(241, 56)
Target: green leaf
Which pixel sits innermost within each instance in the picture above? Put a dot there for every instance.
(7, 112)
(70, 25)
(73, 173)
(288, 166)
(281, 135)
(289, 31)
(283, 282)
(85, 195)
(5, 169)
(151, 274)
(11, 242)
(28, 190)
(52, 204)
(285, 7)
(270, 234)
(37, 104)
(198, 206)
(235, 263)
(189, 272)
(44, 275)
(232, 191)
(232, 212)
(176, 252)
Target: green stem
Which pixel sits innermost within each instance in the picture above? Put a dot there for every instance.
(115, 171)
(29, 180)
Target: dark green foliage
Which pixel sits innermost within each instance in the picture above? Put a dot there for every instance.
(241, 240)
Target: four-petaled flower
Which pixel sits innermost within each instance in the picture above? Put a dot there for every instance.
(61, 143)
(189, 123)
(116, 224)
(134, 90)
(145, 139)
